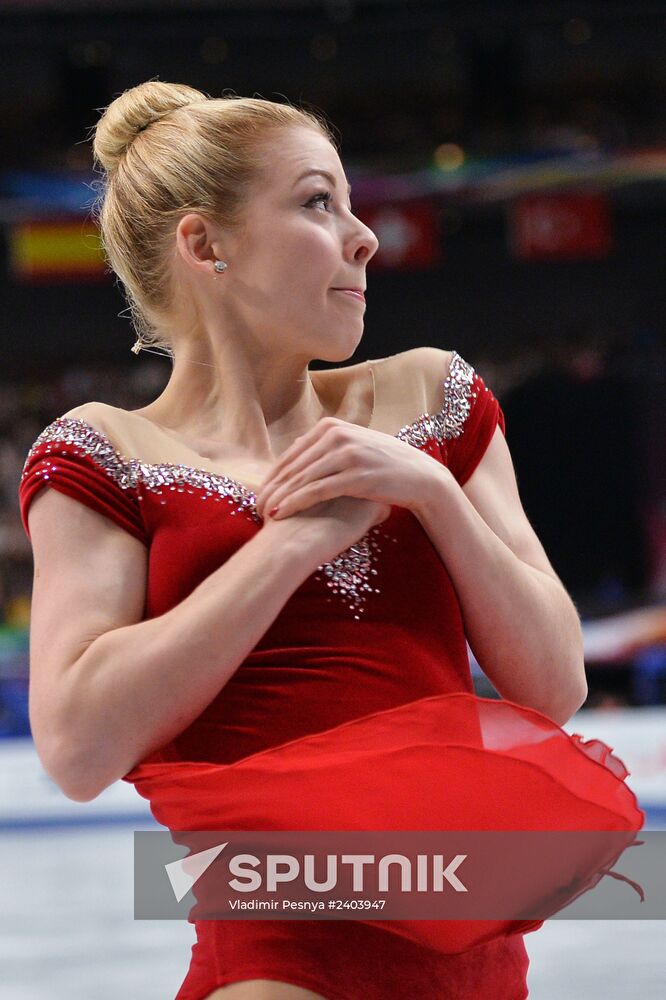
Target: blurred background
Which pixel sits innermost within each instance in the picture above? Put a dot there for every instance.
(511, 158)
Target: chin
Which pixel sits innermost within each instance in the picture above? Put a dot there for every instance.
(336, 352)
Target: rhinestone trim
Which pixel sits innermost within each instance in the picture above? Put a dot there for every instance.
(131, 474)
(450, 420)
(347, 575)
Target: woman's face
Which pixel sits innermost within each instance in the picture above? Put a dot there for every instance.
(300, 243)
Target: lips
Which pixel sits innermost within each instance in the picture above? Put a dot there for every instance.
(358, 292)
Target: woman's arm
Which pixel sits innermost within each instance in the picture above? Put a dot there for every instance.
(108, 687)
(520, 622)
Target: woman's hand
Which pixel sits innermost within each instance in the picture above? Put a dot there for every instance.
(337, 458)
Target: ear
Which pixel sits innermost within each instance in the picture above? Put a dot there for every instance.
(198, 242)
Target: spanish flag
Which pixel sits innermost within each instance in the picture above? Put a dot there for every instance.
(56, 251)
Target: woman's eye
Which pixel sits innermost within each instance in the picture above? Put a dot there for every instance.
(323, 197)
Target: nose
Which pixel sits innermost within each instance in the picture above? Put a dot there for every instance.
(362, 244)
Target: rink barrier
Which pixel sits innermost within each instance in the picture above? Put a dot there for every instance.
(30, 799)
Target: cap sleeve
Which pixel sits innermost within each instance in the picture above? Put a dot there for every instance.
(78, 460)
(471, 413)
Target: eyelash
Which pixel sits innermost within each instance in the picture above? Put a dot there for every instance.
(322, 196)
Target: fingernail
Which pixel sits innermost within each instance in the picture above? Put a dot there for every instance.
(273, 511)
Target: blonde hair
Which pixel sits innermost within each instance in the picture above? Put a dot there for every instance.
(167, 149)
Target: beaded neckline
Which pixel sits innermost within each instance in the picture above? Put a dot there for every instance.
(350, 574)
(448, 422)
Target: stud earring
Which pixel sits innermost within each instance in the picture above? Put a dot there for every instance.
(220, 265)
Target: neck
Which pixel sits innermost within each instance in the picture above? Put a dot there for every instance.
(254, 404)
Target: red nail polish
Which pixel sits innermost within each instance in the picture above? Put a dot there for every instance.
(273, 511)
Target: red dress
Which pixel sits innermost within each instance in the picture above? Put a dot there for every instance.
(364, 672)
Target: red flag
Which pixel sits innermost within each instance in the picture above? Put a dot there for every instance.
(567, 225)
(408, 232)
(54, 251)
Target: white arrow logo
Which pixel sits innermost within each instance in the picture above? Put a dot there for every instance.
(184, 873)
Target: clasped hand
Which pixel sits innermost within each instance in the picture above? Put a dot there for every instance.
(337, 458)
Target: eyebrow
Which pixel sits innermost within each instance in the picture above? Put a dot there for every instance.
(324, 173)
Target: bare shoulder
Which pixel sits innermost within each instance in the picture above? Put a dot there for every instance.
(90, 410)
(431, 358)
(110, 420)
(420, 359)
(421, 372)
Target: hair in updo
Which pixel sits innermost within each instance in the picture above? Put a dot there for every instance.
(167, 149)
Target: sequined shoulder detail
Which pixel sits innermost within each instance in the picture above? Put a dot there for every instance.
(457, 395)
(131, 473)
(449, 421)
(87, 439)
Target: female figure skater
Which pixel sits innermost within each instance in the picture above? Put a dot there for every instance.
(251, 597)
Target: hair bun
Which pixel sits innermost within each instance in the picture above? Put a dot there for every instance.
(132, 112)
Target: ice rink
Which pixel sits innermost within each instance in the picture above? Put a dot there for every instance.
(67, 929)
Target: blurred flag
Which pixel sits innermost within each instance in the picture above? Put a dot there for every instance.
(55, 251)
(409, 234)
(564, 226)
